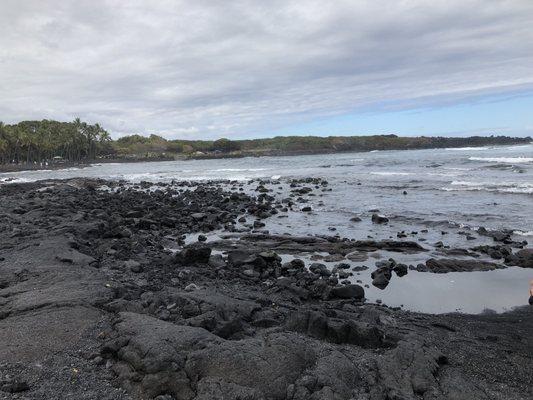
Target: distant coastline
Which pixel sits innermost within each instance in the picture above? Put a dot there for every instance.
(6, 168)
(34, 145)
(290, 153)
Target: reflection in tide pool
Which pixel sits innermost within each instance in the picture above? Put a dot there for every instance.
(467, 292)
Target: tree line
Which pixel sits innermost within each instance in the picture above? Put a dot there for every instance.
(77, 141)
(151, 146)
(43, 141)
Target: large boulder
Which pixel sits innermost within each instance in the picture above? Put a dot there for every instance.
(400, 269)
(525, 258)
(381, 277)
(319, 269)
(334, 330)
(153, 357)
(379, 219)
(241, 257)
(347, 292)
(444, 265)
(193, 254)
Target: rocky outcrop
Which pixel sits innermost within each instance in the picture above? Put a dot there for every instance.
(444, 265)
(100, 298)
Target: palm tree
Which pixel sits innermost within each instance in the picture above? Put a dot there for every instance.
(38, 141)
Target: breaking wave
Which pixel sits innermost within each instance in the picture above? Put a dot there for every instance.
(466, 148)
(506, 187)
(523, 233)
(386, 173)
(508, 160)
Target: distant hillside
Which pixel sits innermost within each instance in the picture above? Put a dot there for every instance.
(38, 142)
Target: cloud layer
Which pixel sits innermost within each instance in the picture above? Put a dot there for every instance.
(242, 68)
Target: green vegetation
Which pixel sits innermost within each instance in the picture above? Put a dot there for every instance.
(50, 141)
(136, 145)
(333, 144)
(43, 141)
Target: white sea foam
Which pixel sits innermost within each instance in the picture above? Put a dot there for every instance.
(135, 177)
(518, 146)
(523, 233)
(499, 190)
(466, 148)
(391, 173)
(507, 160)
(504, 187)
(447, 174)
(14, 180)
(466, 183)
(239, 169)
(494, 184)
(519, 190)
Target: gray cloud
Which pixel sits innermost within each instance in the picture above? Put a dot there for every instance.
(212, 68)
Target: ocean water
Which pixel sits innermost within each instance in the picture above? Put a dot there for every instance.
(447, 190)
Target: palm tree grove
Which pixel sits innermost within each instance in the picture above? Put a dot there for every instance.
(42, 141)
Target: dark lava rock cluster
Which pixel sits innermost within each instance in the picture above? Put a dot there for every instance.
(102, 296)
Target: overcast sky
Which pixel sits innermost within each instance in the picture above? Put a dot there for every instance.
(206, 69)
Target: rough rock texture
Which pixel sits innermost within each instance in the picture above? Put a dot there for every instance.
(444, 265)
(101, 299)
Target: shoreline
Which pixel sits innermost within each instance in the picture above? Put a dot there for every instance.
(7, 168)
(13, 168)
(91, 272)
(277, 153)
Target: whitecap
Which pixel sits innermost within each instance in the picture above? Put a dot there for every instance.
(239, 169)
(447, 174)
(522, 190)
(391, 173)
(14, 180)
(466, 148)
(134, 177)
(489, 184)
(466, 183)
(507, 187)
(523, 233)
(508, 160)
